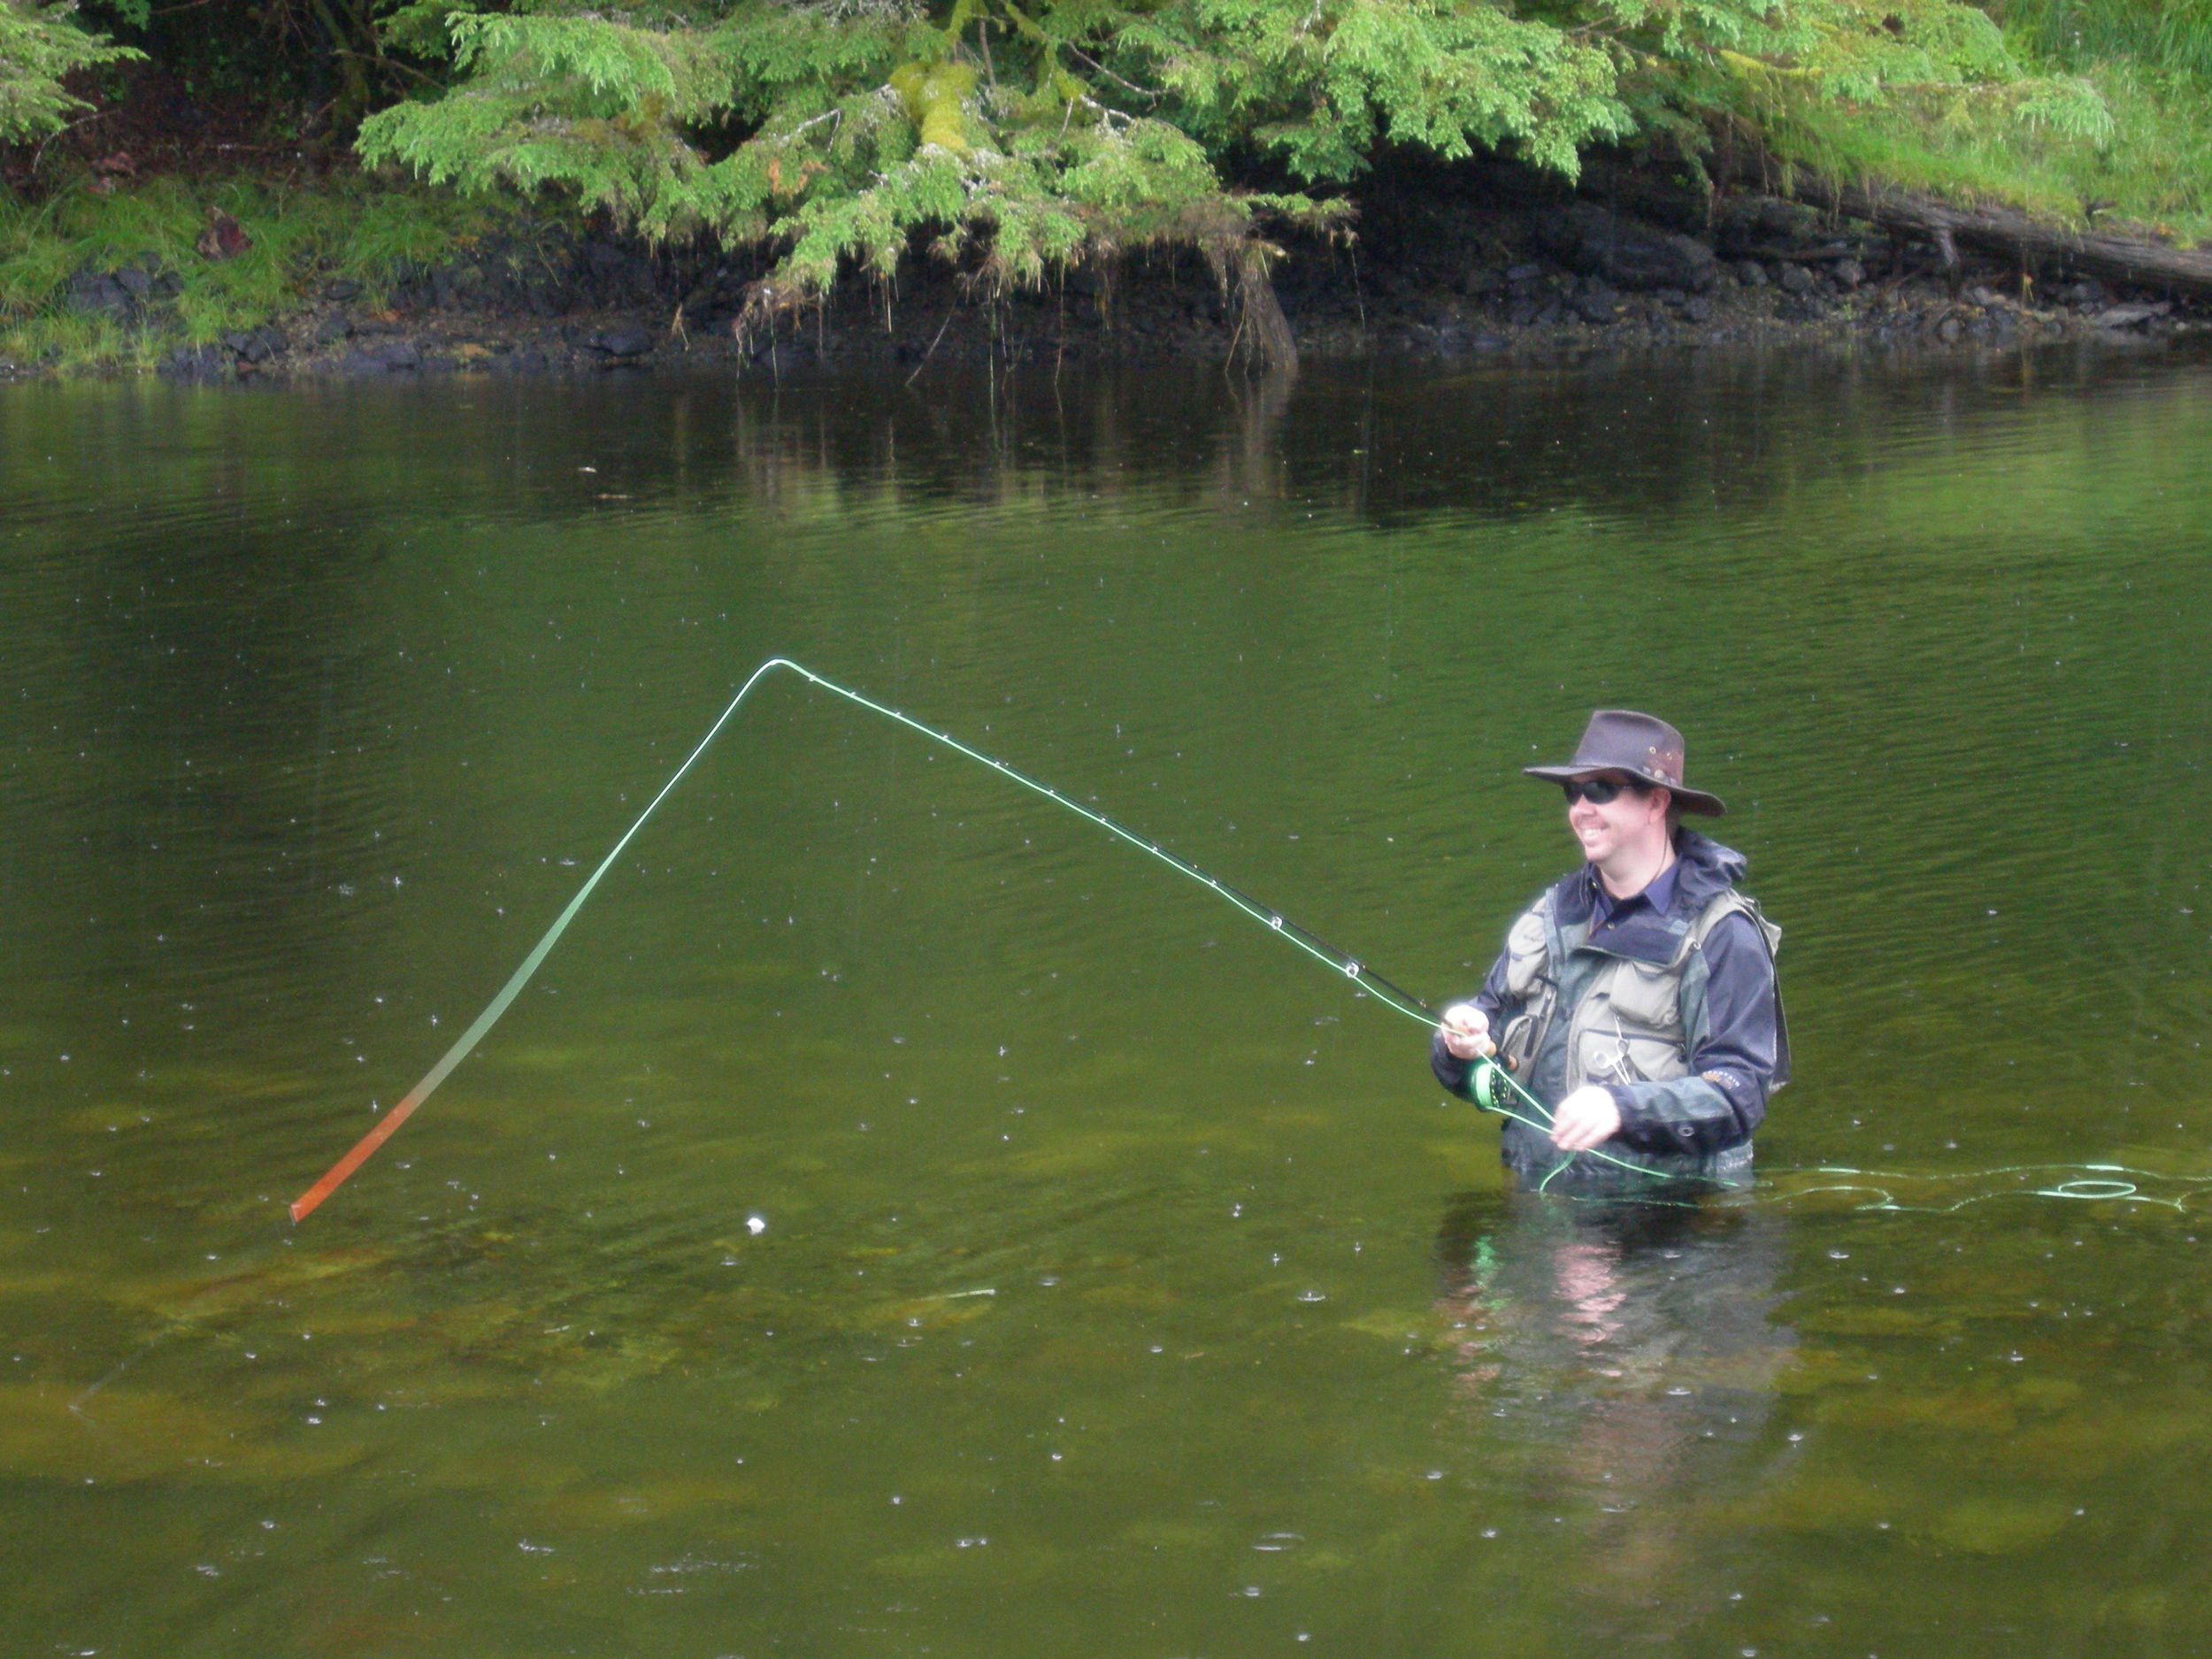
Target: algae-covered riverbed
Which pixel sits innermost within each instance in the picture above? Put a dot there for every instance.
(901, 1220)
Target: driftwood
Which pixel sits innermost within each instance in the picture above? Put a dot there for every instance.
(1997, 232)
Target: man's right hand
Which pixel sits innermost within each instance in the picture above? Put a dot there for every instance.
(1465, 1030)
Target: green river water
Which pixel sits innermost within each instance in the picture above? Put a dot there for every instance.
(901, 1220)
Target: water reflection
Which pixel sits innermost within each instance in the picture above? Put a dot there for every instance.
(319, 702)
(1622, 1356)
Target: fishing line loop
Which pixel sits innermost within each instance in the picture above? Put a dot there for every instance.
(1400, 1001)
(1494, 1089)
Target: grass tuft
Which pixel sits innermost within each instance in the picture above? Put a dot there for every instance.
(2146, 173)
(298, 238)
(2159, 35)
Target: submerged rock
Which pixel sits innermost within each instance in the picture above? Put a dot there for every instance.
(1999, 1526)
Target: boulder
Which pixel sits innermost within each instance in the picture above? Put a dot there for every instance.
(93, 294)
(397, 357)
(619, 275)
(1597, 304)
(2129, 316)
(455, 286)
(1627, 254)
(257, 345)
(1457, 340)
(198, 364)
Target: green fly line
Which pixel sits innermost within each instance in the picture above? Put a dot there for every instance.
(1494, 1089)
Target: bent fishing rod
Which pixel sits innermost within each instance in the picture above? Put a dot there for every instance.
(1494, 1088)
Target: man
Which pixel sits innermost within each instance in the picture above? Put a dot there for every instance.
(1636, 998)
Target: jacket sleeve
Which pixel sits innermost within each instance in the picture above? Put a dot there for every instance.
(1450, 1070)
(1735, 1045)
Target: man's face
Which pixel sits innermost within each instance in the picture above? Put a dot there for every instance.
(1625, 820)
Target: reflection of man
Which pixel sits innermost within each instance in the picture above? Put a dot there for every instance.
(1618, 1363)
(1635, 998)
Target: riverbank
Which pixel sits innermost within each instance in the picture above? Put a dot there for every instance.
(1460, 265)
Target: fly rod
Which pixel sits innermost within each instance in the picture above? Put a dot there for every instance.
(1495, 1089)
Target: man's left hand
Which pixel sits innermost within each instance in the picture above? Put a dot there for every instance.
(1584, 1118)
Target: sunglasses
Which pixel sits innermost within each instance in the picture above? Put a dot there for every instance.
(1596, 791)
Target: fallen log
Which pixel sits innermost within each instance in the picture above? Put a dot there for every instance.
(1999, 232)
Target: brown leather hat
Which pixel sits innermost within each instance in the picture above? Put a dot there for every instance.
(1642, 745)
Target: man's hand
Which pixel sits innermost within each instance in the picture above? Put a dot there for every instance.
(1584, 1118)
(1466, 1032)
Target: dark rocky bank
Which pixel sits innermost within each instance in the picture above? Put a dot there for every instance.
(1450, 270)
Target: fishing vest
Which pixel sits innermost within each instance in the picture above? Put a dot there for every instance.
(1627, 1027)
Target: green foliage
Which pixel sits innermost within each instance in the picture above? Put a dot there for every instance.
(1016, 137)
(2150, 61)
(1025, 134)
(2152, 34)
(295, 238)
(2078, 108)
(2143, 169)
(1319, 86)
(39, 45)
